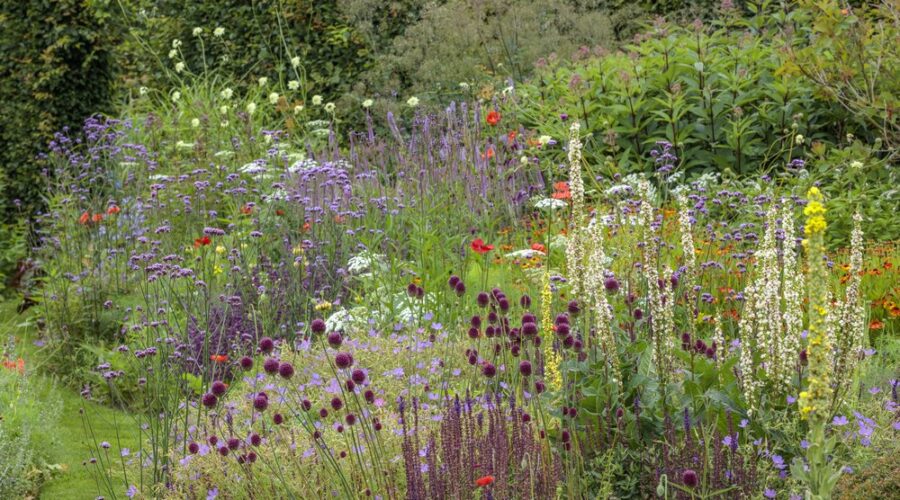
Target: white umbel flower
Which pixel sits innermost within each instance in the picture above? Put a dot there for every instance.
(412, 101)
(218, 32)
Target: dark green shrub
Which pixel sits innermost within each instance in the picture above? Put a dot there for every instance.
(721, 93)
(55, 70)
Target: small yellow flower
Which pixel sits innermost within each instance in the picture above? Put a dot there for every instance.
(220, 249)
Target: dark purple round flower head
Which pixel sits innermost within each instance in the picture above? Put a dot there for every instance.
(529, 329)
(323, 413)
(266, 345)
(473, 332)
(525, 368)
(234, 443)
(261, 402)
(306, 404)
(526, 418)
(350, 419)
(611, 285)
(358, 376)
(492, 317)
(246, 362)
(503, 303)
(218, 388)
(194, 448)
(472, 359)
(561, 319)
(317, 325)
(278, 418)
(377, 426)
(209, 400)
(638, 314)
(528, 318)
(369, 395)
(335, 339)
(489, 370)
(336, 403)
(343, 360)
(460, 288)
(420, 292)
(514, 350)
(350, 385)
(490, 331)
(286, 370)
(565, 436)
(525, 301)
(568, 342)
(255, 439)
(212, 440)
(271, 366)
(482, 299)
(804, 358)
(223, 451)
(689, 478)
(475, 321)
(674, 281)
(411, 290)
(454, 279)
(573, 308)
(562, 329)
(539, 386)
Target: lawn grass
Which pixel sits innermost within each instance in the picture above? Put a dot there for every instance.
(70, 439)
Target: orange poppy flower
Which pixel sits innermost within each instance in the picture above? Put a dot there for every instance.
(512, 135)
(246, 210)
(306, 226)
(488, 154)
(493, 118)
(202, 242)
(113, 210)
(538, 247)
(484, 481)
(17, 365)
(876, 325)
(97, 218)
(84, 219)
(279, 212)
(219, 358)
(561, 191)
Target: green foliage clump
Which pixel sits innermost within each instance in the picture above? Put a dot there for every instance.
(881, 479)
(56, 69)
(25, 434)
(726, 94)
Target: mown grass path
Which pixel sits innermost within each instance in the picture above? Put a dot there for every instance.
(70, 449)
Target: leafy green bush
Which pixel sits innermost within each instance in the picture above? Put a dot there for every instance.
(55, 70)
(25, 433)
(722, 94)
(881, 479)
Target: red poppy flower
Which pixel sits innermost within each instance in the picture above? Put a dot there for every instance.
(512, 136)
(219, 358)
(202, 242)
(84, 219)
(279, 212)
(493, 118)
(478, 246)
(97, 217)
(488, 154)
(306, 226)
(113, 210)
(484, 481)
(539, 247)
(246, 209)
